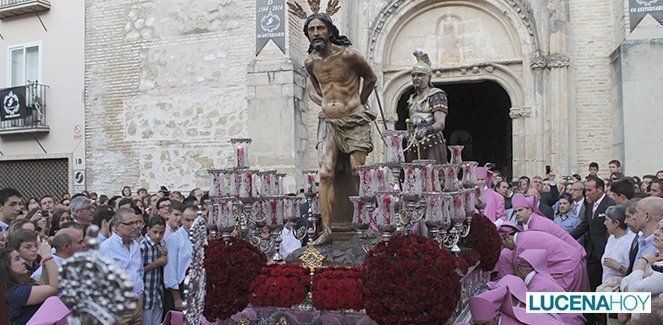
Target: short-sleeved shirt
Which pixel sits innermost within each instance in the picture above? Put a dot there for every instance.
(16, 297)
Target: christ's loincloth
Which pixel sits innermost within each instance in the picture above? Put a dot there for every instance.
(350, 133)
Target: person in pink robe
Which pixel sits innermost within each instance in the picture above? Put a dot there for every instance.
(566, 264)
(493, 201)
(531, 266)
(496, 306)
(530, 219)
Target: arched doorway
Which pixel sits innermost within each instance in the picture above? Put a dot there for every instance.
(478, 118)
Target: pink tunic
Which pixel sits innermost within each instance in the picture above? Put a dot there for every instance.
(504, 264)
(565, 262)
(541, 223)
(494, 204)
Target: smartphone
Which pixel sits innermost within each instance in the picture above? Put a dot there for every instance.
(548, 170)
(44, 213)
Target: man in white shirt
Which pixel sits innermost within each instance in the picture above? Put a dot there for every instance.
(10, 207)
(173, 218)
(123, 249)
(66, 242)
(180, 251)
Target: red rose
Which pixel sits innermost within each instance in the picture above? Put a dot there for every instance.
(485, 239)
(410, 269)
(230, 268)
(286, 286)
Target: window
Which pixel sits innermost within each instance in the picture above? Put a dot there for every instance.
(24, 64)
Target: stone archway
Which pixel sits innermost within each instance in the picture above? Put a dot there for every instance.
(467, 41)
(478, 119)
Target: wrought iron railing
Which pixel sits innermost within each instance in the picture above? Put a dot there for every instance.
(34, 115)
(12, 8)
(13, 2)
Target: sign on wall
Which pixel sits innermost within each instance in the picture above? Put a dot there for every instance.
(638, 9)
(13, 104)
(79, 180)
(270, 23)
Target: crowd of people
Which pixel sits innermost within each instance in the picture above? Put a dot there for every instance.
(583, 234)
(146, 235)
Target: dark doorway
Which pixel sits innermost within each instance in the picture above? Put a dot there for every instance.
(478, 118)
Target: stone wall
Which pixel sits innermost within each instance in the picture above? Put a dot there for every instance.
(591, 43)
(165, 90)
(169, 82)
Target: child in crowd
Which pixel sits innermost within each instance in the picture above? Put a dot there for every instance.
(564, 216)
(25, 242)
(153, 250)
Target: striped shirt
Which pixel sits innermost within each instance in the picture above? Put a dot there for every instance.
(154, 278)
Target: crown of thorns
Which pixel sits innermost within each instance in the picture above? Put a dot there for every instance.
(297, 10)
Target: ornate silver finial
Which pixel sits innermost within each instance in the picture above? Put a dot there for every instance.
(96, 290)
(195, 281)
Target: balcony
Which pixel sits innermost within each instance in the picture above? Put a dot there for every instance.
(23, 110)
(11, 8)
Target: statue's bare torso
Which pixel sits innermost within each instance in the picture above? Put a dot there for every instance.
(338, 80)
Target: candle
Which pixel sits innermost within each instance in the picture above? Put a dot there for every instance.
(240, 157)
(272, 205)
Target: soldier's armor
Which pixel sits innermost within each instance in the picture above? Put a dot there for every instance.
(422, 114)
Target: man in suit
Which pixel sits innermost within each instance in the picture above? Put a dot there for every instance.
(592, 224)
(543, 208)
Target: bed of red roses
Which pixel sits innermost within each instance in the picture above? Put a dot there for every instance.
(485, 239)
(410, 279)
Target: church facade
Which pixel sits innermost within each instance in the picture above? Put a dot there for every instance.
(559, 83)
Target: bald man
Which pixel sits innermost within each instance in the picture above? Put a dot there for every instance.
(67, 242)
(648, 213)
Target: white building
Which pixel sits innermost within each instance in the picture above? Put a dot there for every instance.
(42, 43)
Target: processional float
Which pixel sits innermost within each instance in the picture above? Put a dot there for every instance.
(246, 202)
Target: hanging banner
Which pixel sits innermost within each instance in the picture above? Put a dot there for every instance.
(638, 9)
(13, 104)
(270, 23)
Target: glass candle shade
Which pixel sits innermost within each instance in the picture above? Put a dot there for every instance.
(360, 219)
(272, 209)
(413, 178)
(267, 179)
(241, 152)
(458, 201)
(386, 218)
(393, 152)
(469, 173)
(310, 185)
(456, 154)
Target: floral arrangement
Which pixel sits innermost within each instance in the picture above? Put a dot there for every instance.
(230, 267)
(280, 286)
(410, 280)
(337, 288)
(466, 258)
(469, 255)
(483, 237)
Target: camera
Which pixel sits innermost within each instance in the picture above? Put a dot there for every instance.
(44, 213)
